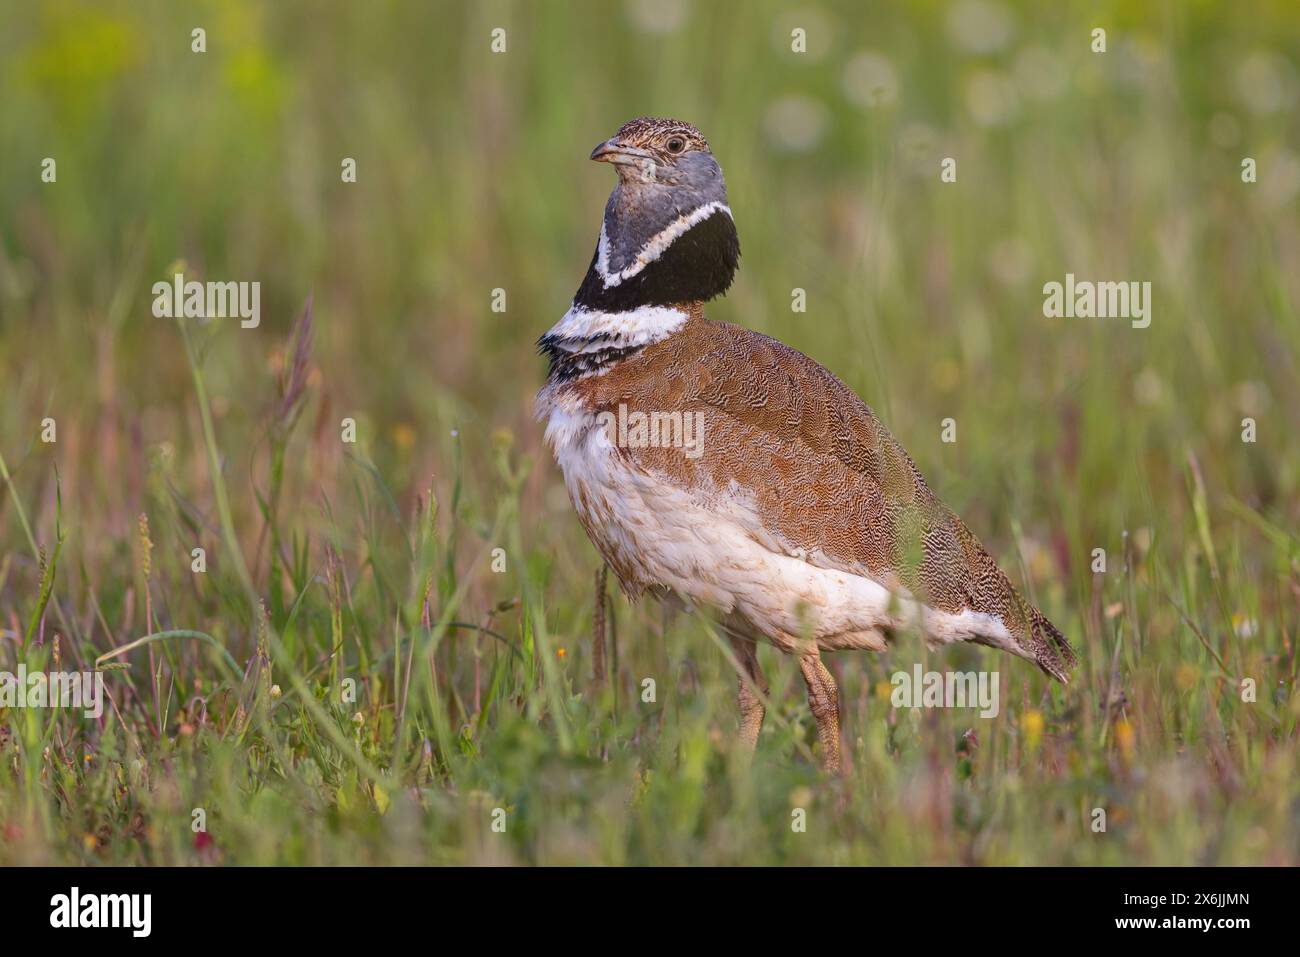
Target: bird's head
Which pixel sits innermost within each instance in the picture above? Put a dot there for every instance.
(670, 198)
(650, 151)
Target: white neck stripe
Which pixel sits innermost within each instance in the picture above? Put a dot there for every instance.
(591, 330)
(657, 245)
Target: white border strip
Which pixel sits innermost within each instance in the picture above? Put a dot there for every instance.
(657, 245)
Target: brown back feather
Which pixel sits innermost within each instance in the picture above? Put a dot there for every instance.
(826, 475)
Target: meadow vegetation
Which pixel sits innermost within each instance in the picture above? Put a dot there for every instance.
(435, 565)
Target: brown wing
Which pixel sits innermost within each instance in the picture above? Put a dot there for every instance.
(825, 475)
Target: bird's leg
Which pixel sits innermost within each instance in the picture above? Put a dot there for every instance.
(824, 700)
(752, 688)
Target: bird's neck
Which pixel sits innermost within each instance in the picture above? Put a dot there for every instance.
(692, 257)
(629, 300)
(588, 342)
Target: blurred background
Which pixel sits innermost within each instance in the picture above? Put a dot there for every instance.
(472, 176)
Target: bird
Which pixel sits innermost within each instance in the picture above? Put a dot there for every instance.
(716, 467)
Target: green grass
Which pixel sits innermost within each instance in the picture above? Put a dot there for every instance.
(373, 563)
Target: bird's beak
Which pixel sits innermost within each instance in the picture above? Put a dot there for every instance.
(612, 151)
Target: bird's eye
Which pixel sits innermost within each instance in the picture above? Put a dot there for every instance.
(676, 144)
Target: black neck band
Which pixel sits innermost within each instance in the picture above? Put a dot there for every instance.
(697, 266)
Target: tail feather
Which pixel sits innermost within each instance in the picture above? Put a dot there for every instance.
(1049, 647)
(1032, 635)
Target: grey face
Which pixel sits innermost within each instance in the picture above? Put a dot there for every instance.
(657, 184)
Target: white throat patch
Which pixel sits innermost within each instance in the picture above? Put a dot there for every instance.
(657, 245)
